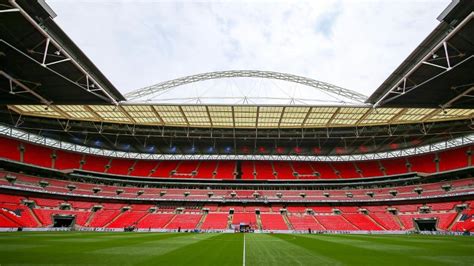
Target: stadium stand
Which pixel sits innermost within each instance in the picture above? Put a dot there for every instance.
(250, 169)
(388, 163)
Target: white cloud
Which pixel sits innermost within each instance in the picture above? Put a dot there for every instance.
(353, 44)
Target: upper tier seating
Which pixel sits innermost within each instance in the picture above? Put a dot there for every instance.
(262, 170)
(95, 163)
(143, 168)
(325, 170)
(225, 170)
(67, 160)
(369, 168)
(186, 169)
(284, 170)
(423, 163)
(248, 168)
(37, 155)
(10, 149)
(453, 159)
(120, 166)
(165, 169)
(206, 169)
(394, 166)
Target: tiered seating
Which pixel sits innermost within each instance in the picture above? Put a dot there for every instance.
(304, 222)
(362, 222)
(155, 220)
(67, 160)
(81, 204)
(42, 156)
(348, 209)
(225, 170)
(128, 218)
(12, 213)
(95, 163)
(46, 202)
(407, 208)
(264, 170)
(325, 170)
(103, 217)
(247, 218)
(37, 155)
(423, 163)
(296, 209)
(10, 199)
(164, 168)
(215, 221)
(120, 166)
(386, 220)
(10, 149)
(394, 166)
(59, 186)
(19, 214)
(6, 222)
(444, 206)
(369, 168)
(346, 170)
(304, 170)
(453, 159)
(284, 170)
(206, 169)
(184, 221)
(272, 221)
(465, 222)
(143, 168)
(322, 209)
(185, 169)
(335, 223)
(248, 169)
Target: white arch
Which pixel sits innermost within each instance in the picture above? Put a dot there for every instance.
(323, 86)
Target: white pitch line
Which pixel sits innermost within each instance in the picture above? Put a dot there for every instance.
(243, 255)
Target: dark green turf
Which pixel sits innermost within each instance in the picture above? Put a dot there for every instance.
(227, 249)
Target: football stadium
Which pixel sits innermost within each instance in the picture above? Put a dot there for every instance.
(89, 175)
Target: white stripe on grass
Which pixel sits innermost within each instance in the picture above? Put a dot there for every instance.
(243, 255)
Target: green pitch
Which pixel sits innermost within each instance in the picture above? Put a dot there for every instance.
(232, 249)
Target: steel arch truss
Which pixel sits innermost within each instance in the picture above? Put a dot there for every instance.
(323, 86)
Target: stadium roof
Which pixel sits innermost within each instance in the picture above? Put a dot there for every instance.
(439, 72)
(243, 116)
(41, 64)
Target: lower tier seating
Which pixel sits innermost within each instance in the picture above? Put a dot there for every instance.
(21, 211)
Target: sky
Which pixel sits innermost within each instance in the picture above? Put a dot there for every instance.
(353, 44)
